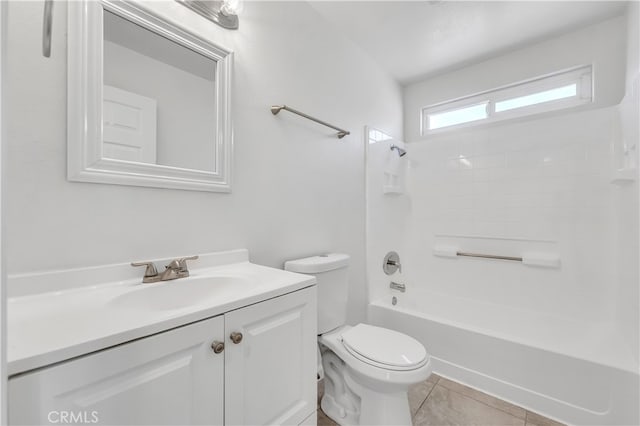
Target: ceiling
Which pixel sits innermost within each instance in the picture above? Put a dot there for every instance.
(417, 39)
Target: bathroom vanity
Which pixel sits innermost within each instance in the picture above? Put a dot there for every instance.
(234, 343)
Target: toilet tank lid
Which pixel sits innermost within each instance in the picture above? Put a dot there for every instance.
(316, 264)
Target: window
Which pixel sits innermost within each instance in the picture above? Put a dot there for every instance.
(549, 93)
(458, 116)
(538, 98)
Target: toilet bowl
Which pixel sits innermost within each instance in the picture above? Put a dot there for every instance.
(367, 375)
(367, 369)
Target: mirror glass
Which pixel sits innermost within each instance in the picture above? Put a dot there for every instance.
(158, 99)
(148, 99)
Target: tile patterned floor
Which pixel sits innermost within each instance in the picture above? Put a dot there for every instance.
(442, 402)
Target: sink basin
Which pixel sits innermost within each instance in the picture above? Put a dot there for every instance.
(180, 293)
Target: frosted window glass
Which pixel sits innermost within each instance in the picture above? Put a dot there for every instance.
(537, 98)
(458, 116)
(562, 90)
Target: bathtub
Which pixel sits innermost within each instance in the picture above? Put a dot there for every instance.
(563, 369)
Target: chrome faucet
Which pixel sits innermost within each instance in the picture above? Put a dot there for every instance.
(177, 268)
(172, 271)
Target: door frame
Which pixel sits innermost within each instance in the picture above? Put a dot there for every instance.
(3, 278)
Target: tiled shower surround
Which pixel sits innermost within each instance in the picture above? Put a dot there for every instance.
(536, 185)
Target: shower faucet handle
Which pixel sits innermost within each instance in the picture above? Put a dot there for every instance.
(395, 263)
(391, 263)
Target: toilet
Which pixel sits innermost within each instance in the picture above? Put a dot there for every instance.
(367, 369)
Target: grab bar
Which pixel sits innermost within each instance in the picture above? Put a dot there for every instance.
(47, 25)
(530, 258)
(489, 256)
(275, 109)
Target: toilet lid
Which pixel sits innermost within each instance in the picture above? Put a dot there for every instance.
(384, 346)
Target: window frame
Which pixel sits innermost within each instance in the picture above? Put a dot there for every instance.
(581, 76)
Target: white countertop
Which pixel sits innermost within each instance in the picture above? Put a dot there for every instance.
(47, 328)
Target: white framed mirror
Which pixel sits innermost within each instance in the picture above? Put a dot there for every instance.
(148, 102)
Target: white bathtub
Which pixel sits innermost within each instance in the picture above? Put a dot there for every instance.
(571, 371)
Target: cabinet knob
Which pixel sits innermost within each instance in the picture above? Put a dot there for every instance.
(236, 337)
(217, 346)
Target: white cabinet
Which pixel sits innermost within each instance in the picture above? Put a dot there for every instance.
(270, 376)
(175, 377)
(169, 378)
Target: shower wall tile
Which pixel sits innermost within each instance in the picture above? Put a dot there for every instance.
(540, 183)
(541, 179)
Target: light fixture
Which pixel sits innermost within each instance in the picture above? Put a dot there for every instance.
(223, 13)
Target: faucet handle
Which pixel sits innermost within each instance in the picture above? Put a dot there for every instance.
(150, 272)
(391, 263)
(183, 262)
(395, 263)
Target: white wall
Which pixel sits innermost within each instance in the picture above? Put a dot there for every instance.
(535, 184)
(601, 45)
(625, 202)
(297, 189)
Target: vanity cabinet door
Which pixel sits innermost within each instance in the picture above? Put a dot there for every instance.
(270, 374)
(169, 378)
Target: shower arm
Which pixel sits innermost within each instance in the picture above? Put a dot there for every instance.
(401, 152)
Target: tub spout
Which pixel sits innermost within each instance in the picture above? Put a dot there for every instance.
(398, 286)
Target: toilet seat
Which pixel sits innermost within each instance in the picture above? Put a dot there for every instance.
(384, 348)
(369, 373)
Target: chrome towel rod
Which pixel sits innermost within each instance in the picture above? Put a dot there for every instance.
(275, 109)
(489, 256)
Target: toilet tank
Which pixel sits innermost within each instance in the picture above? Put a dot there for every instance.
(331, 272)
